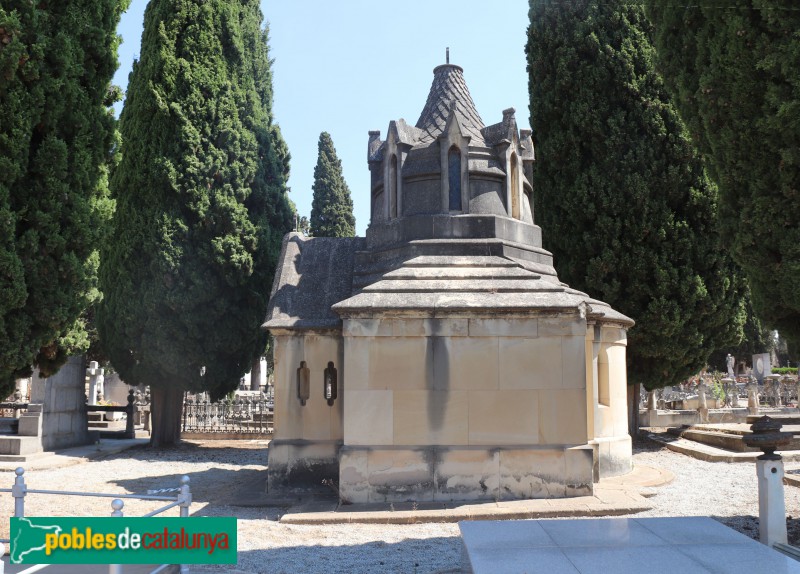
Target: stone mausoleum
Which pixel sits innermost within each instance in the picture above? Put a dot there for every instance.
(440, 358)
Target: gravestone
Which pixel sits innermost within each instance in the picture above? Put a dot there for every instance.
(762, 367)
(115, 390)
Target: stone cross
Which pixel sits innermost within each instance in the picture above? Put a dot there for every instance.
(95, 375)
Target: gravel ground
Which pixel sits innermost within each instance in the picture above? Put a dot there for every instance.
(220, 469)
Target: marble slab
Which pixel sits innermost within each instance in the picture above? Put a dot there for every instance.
(620, 545)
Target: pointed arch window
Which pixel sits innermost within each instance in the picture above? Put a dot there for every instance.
(393, 187)
(454, 178)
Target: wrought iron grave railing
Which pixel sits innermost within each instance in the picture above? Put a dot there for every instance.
(241, 415)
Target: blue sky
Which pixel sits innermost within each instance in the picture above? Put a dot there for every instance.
(351, 66)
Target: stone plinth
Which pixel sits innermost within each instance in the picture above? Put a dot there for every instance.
(447, 473)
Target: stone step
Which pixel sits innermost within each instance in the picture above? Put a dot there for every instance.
(450, 252)
(497, 285)
(784, 419)
(721, 440)
(727, 439)
(20, 458)
(475, 263)
(443, 271)
(711, 453)
(16, 445)
(98, 424)
(118, 424)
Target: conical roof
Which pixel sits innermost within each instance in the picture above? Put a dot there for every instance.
(449, 92)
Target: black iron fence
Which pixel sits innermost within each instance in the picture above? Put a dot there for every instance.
(241, 415)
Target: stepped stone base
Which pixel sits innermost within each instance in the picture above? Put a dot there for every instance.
(441, 473)
(18, 445)
(784, 419)
(728, 437)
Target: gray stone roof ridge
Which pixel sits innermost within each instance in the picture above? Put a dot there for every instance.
(313, 274)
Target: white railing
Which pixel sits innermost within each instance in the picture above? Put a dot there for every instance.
(183, 499)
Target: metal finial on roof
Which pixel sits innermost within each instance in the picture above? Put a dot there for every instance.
(447, 57)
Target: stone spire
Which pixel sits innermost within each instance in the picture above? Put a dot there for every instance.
(448, 94)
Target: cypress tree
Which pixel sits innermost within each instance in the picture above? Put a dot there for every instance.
(732, 69)
(57, 136)
(332, 206)
(622, 197)
(201, 206)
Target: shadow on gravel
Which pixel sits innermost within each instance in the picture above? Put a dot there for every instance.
(246, 452)
(437, 555)
(215, 485)
(748, 525)
(643, 443)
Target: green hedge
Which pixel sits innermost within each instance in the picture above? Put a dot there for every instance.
(785, 370)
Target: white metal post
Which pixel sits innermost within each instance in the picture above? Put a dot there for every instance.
(18, 492)
(186, 496)
(186, 501)
(116, 505)
(771, 505)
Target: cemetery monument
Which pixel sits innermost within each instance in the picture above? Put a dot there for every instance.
(440, 358)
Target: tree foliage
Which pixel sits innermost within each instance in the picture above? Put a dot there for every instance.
(57, 137)
(622, 196)
(201, 205)
(332, 206)
(732, 68)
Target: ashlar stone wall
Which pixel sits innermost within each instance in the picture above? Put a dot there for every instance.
(472, 408)
(307, 438)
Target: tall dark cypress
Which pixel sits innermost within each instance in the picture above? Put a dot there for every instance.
(332, 205)
(733, 70)
(622, 197)
(57, 136)
(201, 206)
